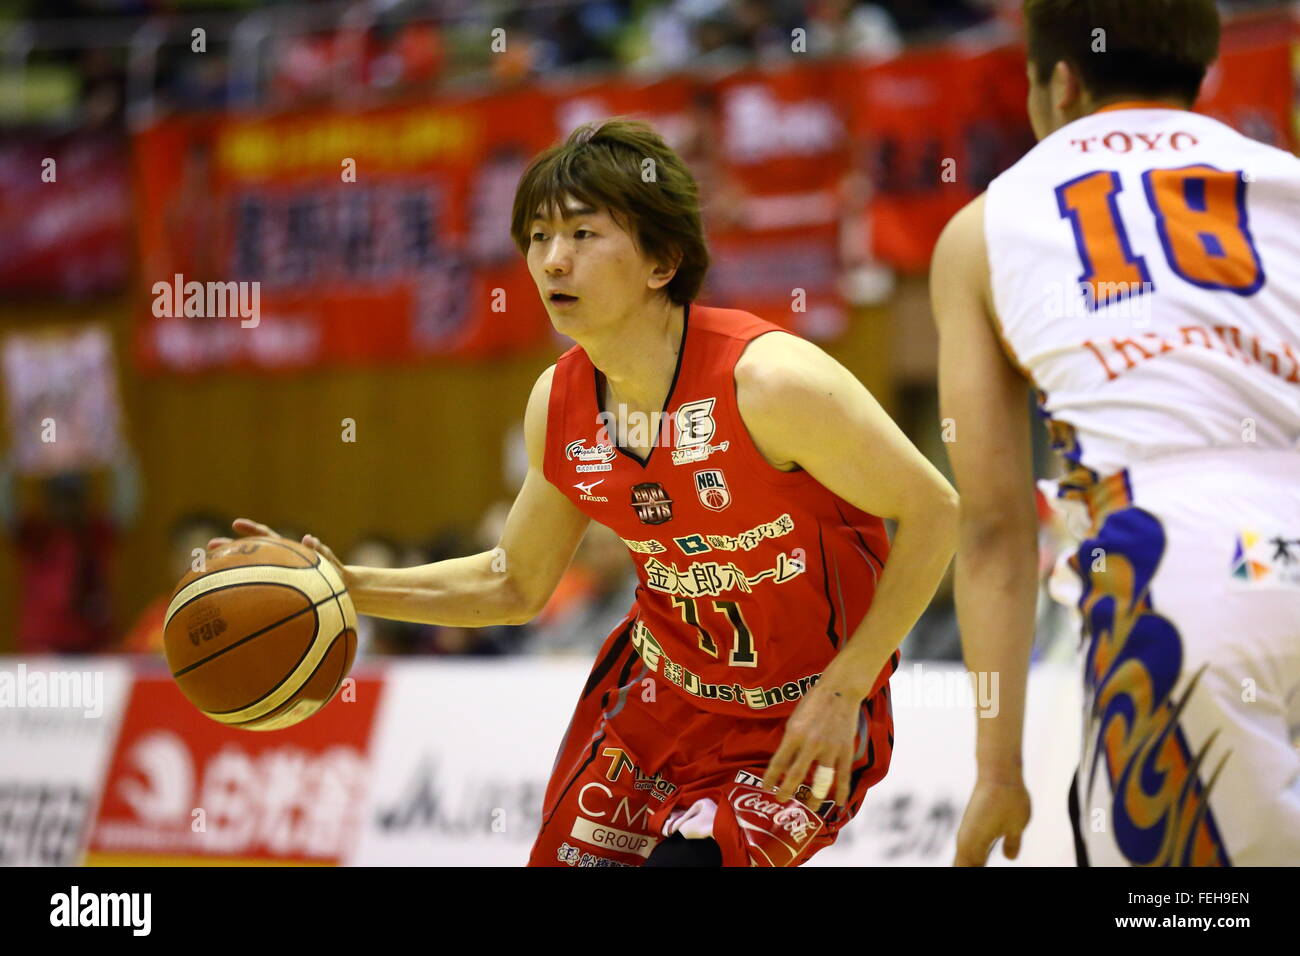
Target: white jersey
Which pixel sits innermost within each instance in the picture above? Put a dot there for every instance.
(1145, 268)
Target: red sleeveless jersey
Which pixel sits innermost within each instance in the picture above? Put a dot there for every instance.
(750, 578)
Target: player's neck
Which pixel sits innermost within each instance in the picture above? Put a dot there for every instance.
(639, 355)
(1121, 101)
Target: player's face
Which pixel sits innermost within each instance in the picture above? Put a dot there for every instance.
(587, 255)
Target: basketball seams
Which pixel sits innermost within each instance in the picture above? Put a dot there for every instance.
(312, 558)
(320, 567)
(272, 716)
(310, 562)
(238, 575)
(248, 637)
(257, 582)
(312, 657)
(342, 591)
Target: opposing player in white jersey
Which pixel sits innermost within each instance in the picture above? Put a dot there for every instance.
(1140, 268)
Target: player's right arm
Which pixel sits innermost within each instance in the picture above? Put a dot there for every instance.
(507, 585)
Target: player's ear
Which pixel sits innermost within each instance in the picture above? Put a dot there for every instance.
(1067, 91)
(662, 274)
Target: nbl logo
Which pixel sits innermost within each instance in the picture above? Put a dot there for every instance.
(711, 486)
(651, 503)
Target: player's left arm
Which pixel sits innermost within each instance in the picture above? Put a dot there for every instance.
(996, 582)
(802, 406)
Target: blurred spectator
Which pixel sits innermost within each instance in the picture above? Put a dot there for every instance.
(578, 34)
(765, 28)
(471, 641)
(376, 635)
(65, 553)
(915, 18)
(319, 52)
(189, 533)
(594, 594)
(847, 28)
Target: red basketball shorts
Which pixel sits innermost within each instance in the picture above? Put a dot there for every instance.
(637, 749)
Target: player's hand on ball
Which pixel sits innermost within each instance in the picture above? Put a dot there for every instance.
(247, 528)
(821, 733)
(997, 809)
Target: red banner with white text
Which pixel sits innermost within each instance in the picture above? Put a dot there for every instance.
(181, 787)
(382, 236)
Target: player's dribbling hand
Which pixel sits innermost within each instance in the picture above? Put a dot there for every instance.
(247, 528)
(997, 809)
(821, 732)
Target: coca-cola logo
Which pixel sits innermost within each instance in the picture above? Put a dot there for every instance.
(794, 819)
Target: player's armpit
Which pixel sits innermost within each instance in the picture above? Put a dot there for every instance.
(544, 527)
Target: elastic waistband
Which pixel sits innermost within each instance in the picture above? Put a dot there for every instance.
(1261, 470)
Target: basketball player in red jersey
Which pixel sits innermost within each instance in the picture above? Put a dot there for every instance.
(741, 710)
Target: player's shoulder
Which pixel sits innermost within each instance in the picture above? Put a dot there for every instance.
(967, 225)
(537, 411)
(960, 265)
(572, 366)
(542, 386)
(727, 323)
(778, 367)
(962, 243)
(551, 379)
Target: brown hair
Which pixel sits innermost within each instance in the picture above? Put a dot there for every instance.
(601, 164)
(1153, 48)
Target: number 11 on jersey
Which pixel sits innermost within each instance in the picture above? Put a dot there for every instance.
(742, 646)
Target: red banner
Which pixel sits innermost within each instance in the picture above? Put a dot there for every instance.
(383, 236)
(932, 145)
(783, 161)
(1251, 87)
(65, 216)
(770, 151)
(182, 787)
(380, 236)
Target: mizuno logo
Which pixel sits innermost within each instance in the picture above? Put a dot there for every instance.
(586, 487)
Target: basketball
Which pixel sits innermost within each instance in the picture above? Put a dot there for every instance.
(263, 636)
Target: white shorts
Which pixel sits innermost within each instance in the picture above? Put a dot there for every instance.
(1191, 642)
